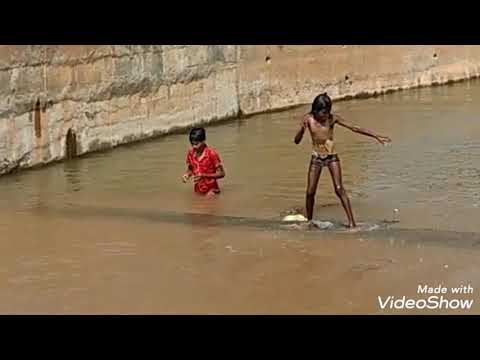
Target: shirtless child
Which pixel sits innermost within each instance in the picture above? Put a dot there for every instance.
(320, 123)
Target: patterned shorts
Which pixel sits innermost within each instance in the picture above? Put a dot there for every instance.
(318, 161)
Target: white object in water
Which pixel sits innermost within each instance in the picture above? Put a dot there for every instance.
(322, 224)
(230, 248)
(372, 227)
(395, 214)
(296, 217)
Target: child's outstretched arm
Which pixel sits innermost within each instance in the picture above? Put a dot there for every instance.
(301, 130)
(381, 139)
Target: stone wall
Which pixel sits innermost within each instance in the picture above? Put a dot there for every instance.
(63, 101)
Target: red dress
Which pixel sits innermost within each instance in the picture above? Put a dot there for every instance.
(207, 163)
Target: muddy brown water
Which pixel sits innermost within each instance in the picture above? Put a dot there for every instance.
(117, 232)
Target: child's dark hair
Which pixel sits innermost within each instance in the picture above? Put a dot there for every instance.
(197, 135)
(320, 104)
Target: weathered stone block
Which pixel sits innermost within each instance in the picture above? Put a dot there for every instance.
(28, 80)
(58, 79)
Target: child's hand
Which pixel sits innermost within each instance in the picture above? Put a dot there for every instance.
(383, 139)
(185, 177)
(304, 121)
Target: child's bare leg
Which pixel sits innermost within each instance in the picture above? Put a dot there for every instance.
(336, 172)
(314, 172)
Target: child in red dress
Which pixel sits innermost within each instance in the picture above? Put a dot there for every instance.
(204, 164)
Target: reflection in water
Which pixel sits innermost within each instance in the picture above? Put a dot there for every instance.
(73, 171)
(119, 232)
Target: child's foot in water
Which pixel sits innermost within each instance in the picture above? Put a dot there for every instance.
(350, 225)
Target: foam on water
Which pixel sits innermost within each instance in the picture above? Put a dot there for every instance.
(300, 222)
(330, 226)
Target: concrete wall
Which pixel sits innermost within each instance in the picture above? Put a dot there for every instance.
(109, 95)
